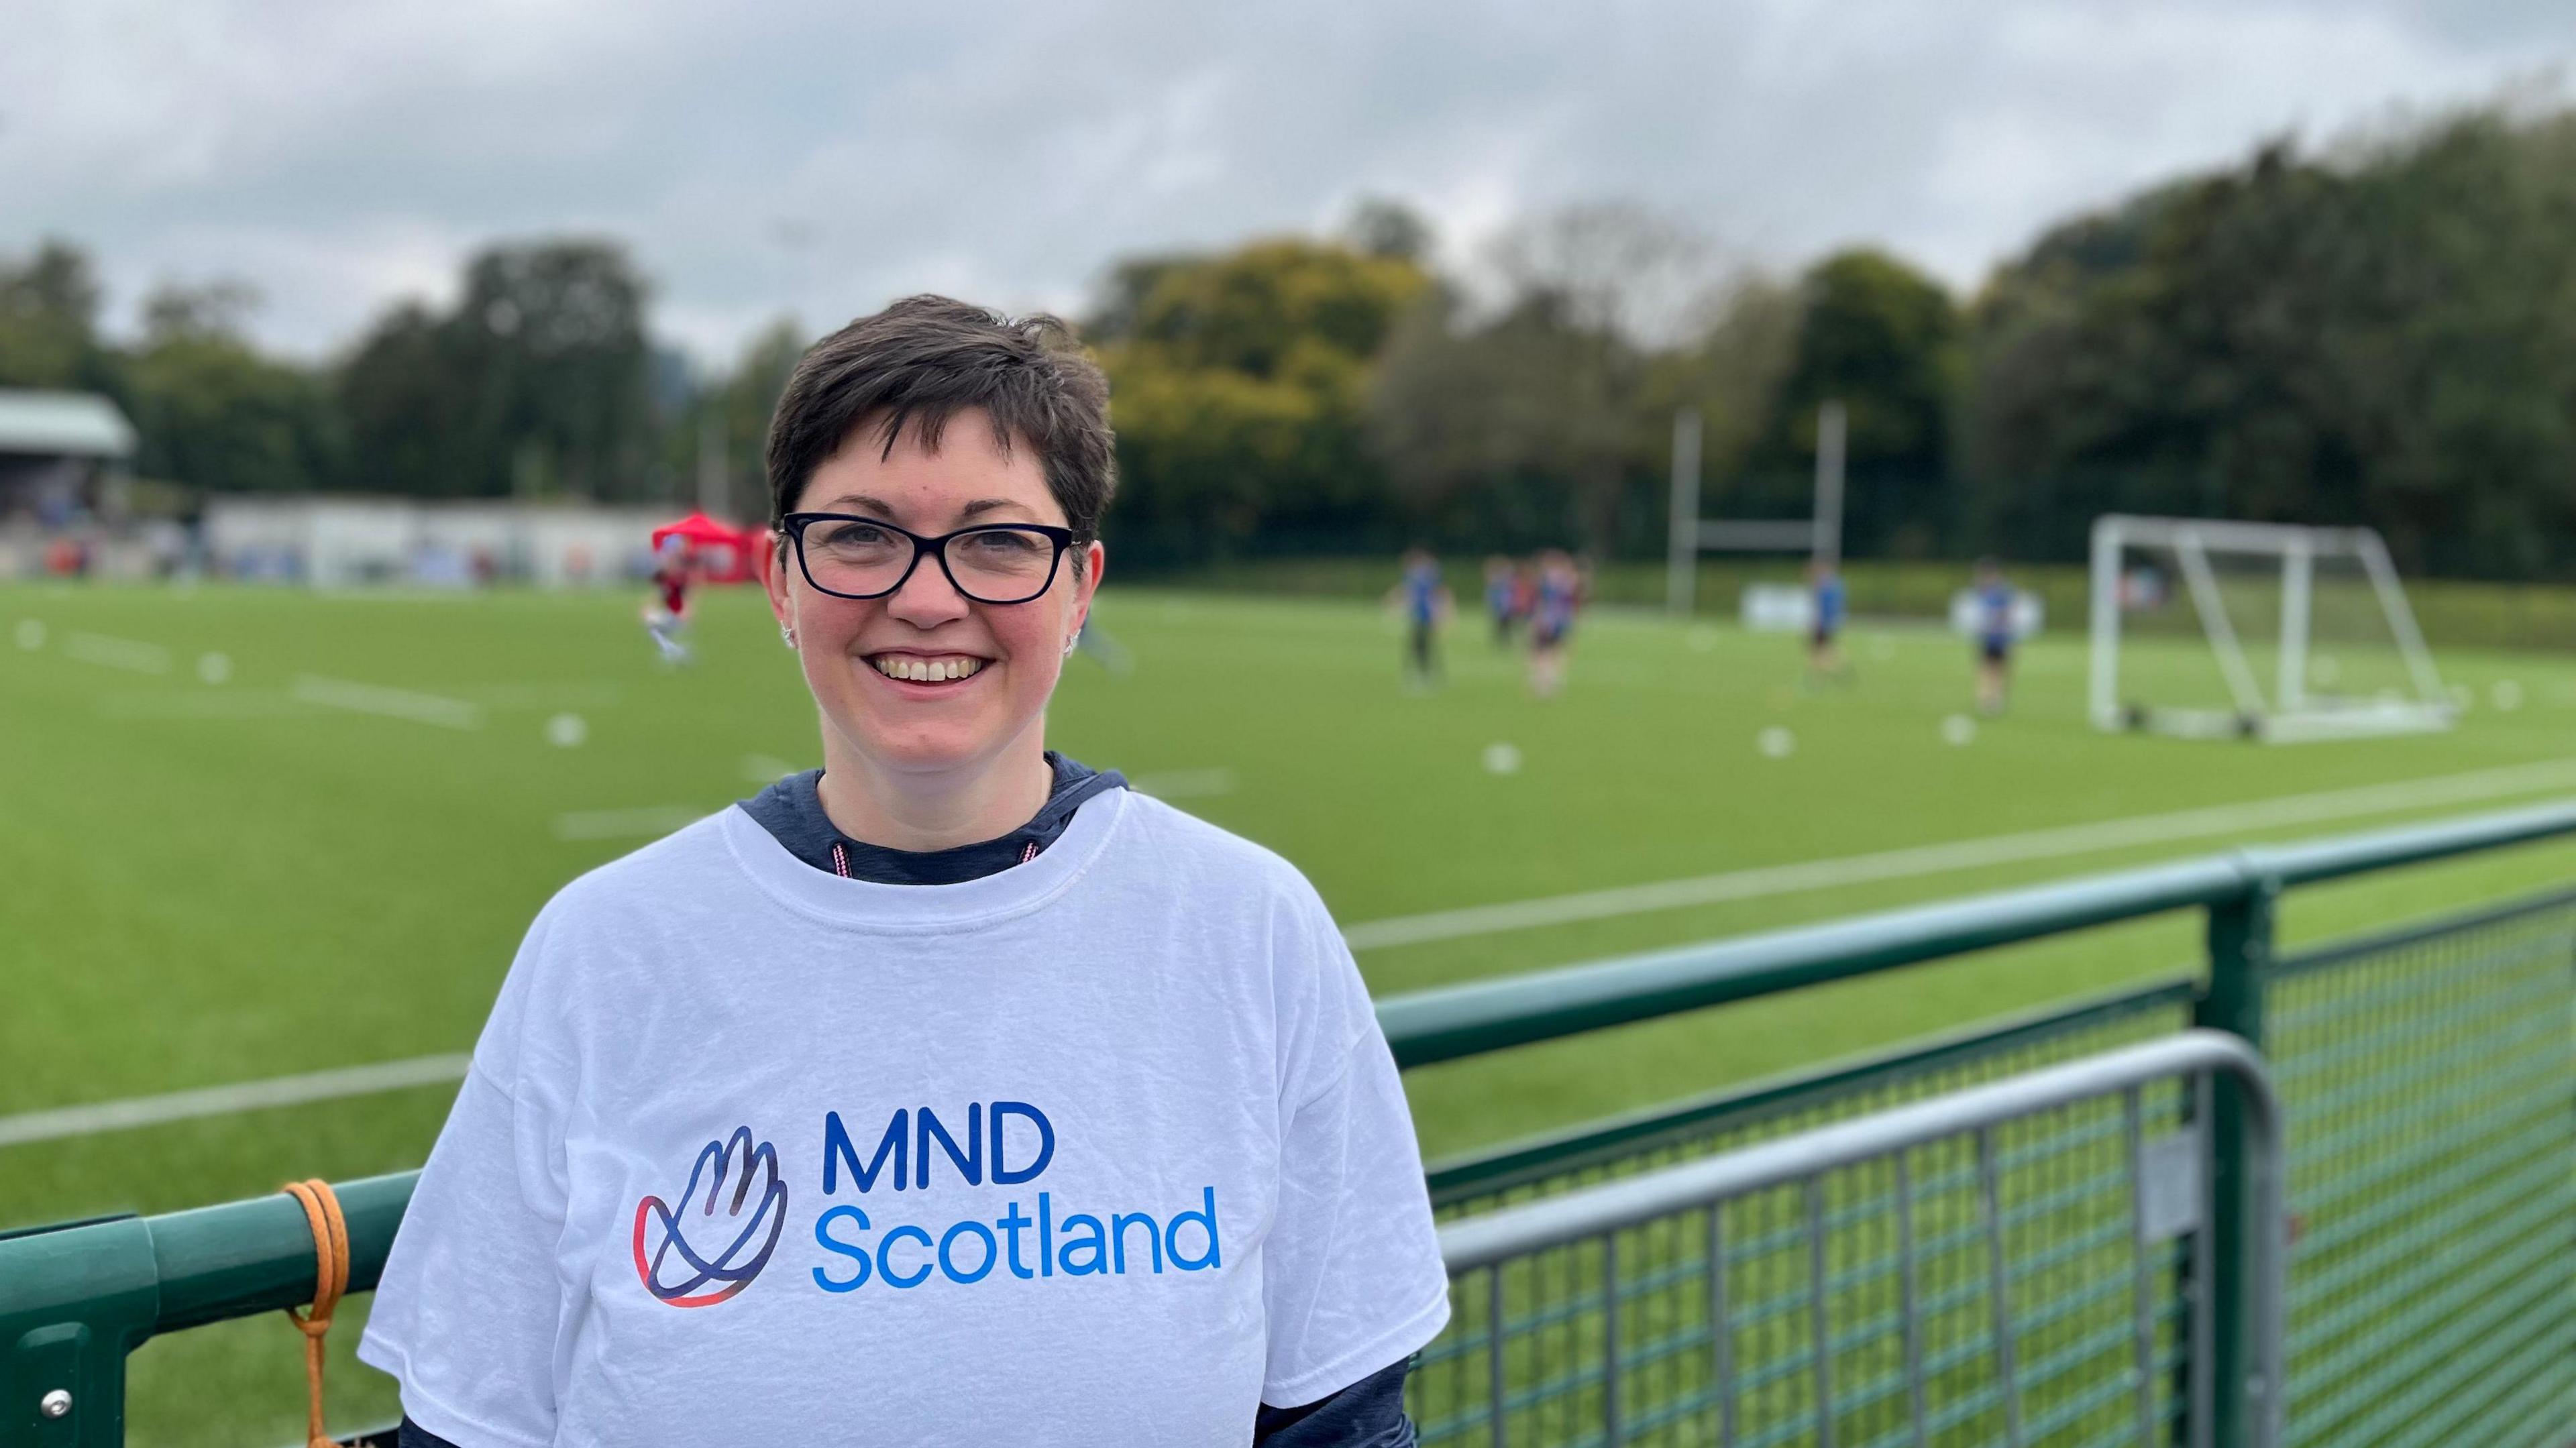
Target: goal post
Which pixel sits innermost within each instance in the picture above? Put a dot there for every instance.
(1818, 535)
(2256, 589)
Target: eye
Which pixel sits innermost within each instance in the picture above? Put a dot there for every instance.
(852, 535)
(1005, 544)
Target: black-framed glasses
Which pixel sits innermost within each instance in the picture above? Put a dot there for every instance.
(848, 556)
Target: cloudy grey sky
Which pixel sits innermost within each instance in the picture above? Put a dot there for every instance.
(816, 158)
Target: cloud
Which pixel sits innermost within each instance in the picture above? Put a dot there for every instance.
(814, 158)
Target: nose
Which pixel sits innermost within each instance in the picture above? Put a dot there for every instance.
(927, 599)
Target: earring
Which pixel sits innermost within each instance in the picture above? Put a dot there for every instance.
(788, 633)
(1070, 644)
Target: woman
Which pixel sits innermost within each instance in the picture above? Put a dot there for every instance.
(951, 1093)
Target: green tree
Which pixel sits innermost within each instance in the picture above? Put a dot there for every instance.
(750, 397)
(1512, 432)
(212, 412)
(49, 322)
(536, 383)
(1549, 421)
(2385, 334)
(730, 412)
(556, 330)
(1733, 374)
(1386, 228)
(417, 418)
(1882, 338)
(1239, 385)
(1269, 309)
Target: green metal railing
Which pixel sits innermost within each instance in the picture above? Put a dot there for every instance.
(1740, 1115)
(2002, 1263)
(76, 1300)
(2429, 1080)
(2429, 1077)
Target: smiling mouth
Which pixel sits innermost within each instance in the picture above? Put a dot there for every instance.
(927, 669)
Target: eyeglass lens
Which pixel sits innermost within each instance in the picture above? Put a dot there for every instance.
(990, 565)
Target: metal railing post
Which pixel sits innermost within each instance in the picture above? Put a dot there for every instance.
(80, 1298)
(2241, 935)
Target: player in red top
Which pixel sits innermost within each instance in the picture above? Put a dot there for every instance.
(667, 618)
(1562, 585)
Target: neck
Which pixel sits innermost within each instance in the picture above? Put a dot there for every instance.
(935, 809)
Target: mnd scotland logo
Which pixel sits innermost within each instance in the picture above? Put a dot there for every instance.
(715, 1241)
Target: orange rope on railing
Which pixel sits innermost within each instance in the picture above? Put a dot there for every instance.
(330, 1279)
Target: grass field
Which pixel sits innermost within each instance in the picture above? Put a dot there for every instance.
(320, 852)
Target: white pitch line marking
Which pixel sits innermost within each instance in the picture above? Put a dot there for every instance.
(564, 694)
(140, 657)
(203, 704)
(617, 824)
(64, 1121)
(1919, 860)
(1184, 783)
(391, 703)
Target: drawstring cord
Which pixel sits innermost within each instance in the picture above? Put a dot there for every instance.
(330, 1279)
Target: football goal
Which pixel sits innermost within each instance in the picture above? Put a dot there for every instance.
(2268, 631)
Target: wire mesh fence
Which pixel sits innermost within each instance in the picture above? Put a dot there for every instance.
(2430, 1085)
(2022, 1281)
(1690, 1130)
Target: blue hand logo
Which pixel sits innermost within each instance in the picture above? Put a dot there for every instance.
(705, 1278)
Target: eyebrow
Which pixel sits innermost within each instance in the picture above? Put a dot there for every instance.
(856, 503)
(862, 502)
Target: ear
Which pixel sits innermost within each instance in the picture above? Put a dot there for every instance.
(1095, 560)
(773, 577)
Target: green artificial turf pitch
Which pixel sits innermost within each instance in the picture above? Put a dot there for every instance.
(326, 858)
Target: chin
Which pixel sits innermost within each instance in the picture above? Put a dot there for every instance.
(929, 748)
(932, 759)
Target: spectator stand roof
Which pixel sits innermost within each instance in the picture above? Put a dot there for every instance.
(63, 424)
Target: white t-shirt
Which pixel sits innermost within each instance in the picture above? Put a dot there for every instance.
(1104, 1148)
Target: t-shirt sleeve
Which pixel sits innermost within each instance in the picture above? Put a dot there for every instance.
(467, 1313)
(1353, 1280)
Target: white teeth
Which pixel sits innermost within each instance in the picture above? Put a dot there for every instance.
(928, 671)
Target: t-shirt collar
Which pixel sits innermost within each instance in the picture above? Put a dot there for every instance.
(868, 904)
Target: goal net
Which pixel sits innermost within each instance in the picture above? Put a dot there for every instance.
(2267, 631)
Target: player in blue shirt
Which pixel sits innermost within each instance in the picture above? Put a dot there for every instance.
(1825, 594)
(1994, 636)
(1502, 598)
(1425, 602)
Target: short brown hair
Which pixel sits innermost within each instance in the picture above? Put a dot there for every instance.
(925, 359)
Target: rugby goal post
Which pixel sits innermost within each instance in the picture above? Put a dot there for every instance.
(2266, 576)
(1818, 535)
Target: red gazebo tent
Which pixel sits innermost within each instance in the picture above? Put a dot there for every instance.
(720, 552)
